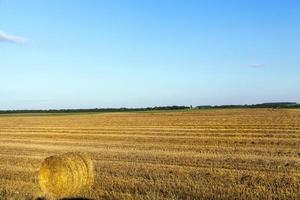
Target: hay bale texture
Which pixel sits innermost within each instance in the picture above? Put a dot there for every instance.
(66, 175)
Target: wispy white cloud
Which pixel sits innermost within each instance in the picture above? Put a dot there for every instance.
(5, 37)
(257, 65)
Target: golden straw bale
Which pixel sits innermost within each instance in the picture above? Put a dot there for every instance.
(66, 175)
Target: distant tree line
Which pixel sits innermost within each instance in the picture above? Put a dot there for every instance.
(262, 105)
(157, 108)
(95, 110)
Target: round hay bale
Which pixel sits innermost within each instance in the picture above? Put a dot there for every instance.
(66, 175)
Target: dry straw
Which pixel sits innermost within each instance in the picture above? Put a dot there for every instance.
(66, 175)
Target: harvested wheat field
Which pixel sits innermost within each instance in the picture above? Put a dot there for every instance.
(201, 154)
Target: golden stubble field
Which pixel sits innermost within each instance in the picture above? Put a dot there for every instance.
(208, 154)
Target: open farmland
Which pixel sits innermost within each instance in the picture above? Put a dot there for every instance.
(206, 154)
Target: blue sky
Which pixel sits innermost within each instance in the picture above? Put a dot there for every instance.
(134, 53)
